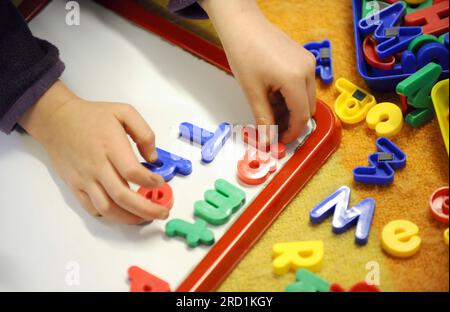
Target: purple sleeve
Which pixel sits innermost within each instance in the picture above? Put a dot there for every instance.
(28, 67)
(187, 8)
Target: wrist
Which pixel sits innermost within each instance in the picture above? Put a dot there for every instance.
(237, 6)
(38, 117)
(224, 14)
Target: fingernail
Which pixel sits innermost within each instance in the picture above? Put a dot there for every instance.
(154, 156)
(159, 181)
(146, 222)
(165, 214)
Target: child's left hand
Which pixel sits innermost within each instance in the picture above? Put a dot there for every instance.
(265, 60)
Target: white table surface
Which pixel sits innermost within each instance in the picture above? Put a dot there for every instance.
(47, 240)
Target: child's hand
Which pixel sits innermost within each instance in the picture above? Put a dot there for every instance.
(89, 147)
(265, 60)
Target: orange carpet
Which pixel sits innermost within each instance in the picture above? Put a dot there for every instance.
(407, 198)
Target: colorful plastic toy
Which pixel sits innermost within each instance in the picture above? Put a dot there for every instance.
(423, 50)
(211, 142)
(439, 203)
(400, 238)
(250, 136)
(359, 287)
(324, 61)
(386, 118)
(408, 62)
(195, 233)
(162, 196)
(433, 19)
(353, 104)
(142, 281)
(413, 5)
(256, 167)
(440, 98)
(376, 79)
(444, 39)
(391, 38)
(421, 41)
(417, 88)
(404, 103)
(297, 255)
(308, 282)
(219, 204)
(446, 236)
(344, 218)
(372, 57)
(168, 165)
(381, 173)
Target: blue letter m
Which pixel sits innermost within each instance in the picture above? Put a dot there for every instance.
(344, 218)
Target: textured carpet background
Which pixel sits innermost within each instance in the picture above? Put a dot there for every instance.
(407, 198)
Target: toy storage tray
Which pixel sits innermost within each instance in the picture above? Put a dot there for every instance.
(381, 83)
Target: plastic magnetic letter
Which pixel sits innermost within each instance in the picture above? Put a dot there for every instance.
(250, 136)
(255, 168)
(142, 281)
(343, 218)
(433, 19)
(211, 143)
(308, 282)
(386, 18)
(353, 104)
(162, 196)
(423, 50)
(419, 117)
(417, 88)
(445, 40)
(439, 204)
(383, 172)
(372, 58)
(168, 165)
(359, 287)
(400, 238)
(433, 52)
(446, 236)
(219, 204)
(391, 38)
(404, 103)
(324, 61)
(296, 255)
(386, 118)
(195, 233)
(440, 98)
(421, 41)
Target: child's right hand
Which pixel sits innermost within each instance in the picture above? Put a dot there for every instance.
(89, 147)
(276, 73)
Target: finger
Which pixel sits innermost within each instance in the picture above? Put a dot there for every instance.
(139, 131)
(129, 200)
(311, 83)
(262, 110)
(108, 209)
(311, 86)
(280, 111)
(125, 161)
(296, 96)
(85, 201)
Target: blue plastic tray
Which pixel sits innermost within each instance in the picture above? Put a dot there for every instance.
(375, 82)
